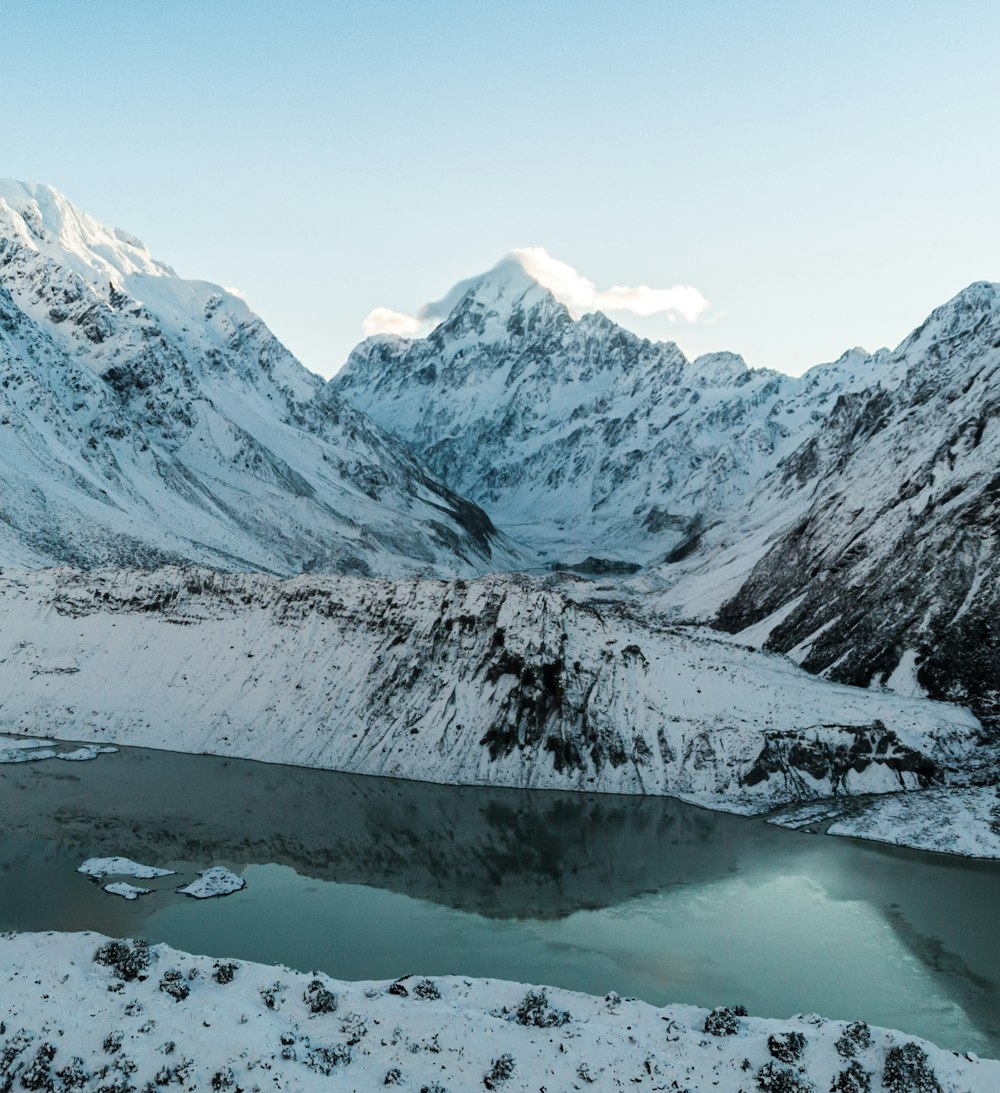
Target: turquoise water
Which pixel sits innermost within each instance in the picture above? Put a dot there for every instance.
(374, 878)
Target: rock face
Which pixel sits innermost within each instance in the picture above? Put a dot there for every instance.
(144, 419)
(496, 681)
(892, 570)
(575, 434)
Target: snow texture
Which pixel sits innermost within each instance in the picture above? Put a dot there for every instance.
(140, 1017)
(963, 821)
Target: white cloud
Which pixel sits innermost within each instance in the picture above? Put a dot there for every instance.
(569, 286)
(580, 294)
(383, 320)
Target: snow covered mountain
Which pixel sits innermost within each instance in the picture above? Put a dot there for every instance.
(145, 418)
(577, 435)
(891, 572)
(847, 517)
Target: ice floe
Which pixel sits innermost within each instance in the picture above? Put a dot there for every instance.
(121, 867)
(217, 881)
(126, 891)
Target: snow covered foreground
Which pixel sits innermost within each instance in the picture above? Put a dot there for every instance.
(499, 681)
(82, 1012)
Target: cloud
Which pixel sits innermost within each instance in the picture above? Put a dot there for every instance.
(580, 294)
(516, 273)
(383, 320)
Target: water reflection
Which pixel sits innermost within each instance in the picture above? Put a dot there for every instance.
(645, 896)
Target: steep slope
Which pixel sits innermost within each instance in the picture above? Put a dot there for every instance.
(577, 435)
(892, 573)
(495, 681)
(145, 418)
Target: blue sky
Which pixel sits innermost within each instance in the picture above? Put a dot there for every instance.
(823, 173)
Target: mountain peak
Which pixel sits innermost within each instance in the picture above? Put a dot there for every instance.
(45, 220)
(500, 290)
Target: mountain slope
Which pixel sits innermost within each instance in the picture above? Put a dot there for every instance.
(497, 681)
(892, 573)
(577, 435)
(145, 418)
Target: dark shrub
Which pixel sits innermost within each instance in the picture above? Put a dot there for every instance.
(725, 1020)
(907, 1071)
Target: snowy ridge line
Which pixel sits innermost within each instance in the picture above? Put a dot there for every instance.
(497, 681)
(156, 1015)
(147, 419)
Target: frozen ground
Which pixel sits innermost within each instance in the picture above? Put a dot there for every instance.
(137, 1018)
(962, 821)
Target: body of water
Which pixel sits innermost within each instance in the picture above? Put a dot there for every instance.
(371, 878)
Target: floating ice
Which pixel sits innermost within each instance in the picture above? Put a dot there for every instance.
(217, 881)
(88, 751)
(120, 867)
(126, 891)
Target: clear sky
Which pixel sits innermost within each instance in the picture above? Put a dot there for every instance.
(822, 173)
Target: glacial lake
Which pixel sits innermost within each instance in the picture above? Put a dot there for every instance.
(372, 878)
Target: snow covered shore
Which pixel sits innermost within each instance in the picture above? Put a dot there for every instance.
(82, 1012)
(498, 681)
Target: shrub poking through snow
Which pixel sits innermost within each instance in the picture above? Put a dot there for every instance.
(534, 1011)
(172, 982)
(223, 1079)
(127, 961)
(318, 998)
(324, 1059)
(393, 1076)
(500, 1071)
(787, 1047)
(38, 1074)
(225, 972)
(426, 990)
(907, 1070)
(853, 1079)
(725, 1020)
(856, 1037)
(113, 1042)
(772, 1078)
(354, 1028)
(74, 1075)
(271, 996)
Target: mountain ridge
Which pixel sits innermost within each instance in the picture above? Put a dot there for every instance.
(149, 419)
